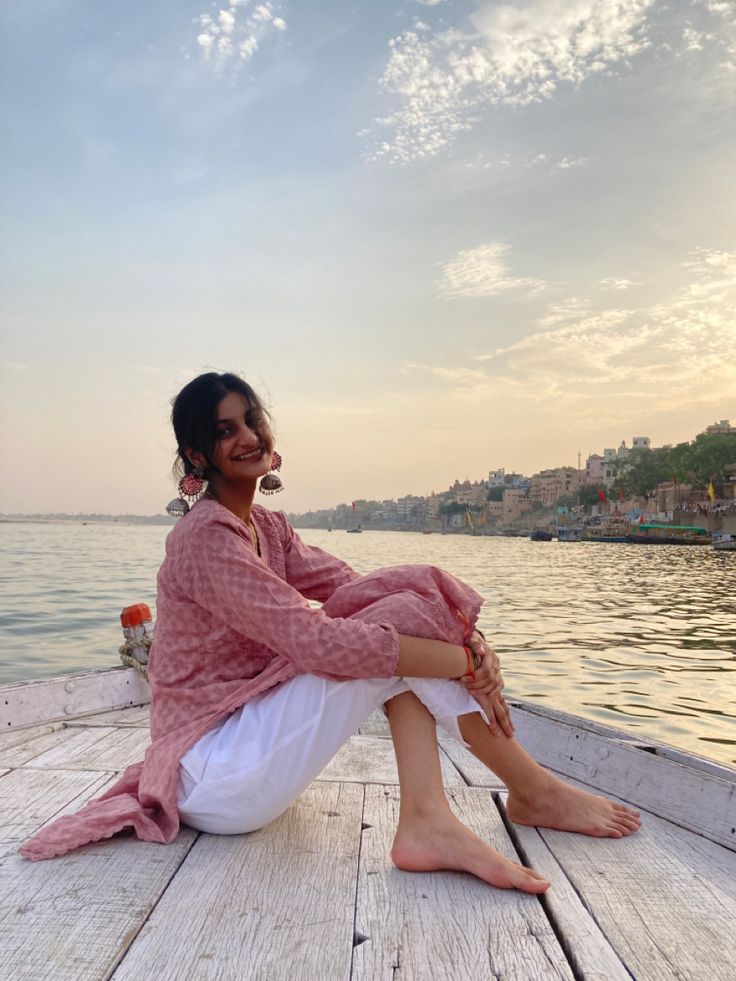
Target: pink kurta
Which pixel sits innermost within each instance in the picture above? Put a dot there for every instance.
(231, 625)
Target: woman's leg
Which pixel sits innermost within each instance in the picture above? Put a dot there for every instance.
(429, 836)
(538, 798)
(246, 772)
(535, 796)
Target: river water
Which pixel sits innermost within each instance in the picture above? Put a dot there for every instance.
(640, 637)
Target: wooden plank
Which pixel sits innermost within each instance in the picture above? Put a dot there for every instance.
(691, 798)
(72, 919)
(446, 924)
(587, 949)
(276, 904)
(95, 748)
(376, 725)
(30, 798)
(665, 898)
(556, 715)
(16, 737)
(640, 740)
(28, 703)
(370, 759)
(46, 738)
(139, 715)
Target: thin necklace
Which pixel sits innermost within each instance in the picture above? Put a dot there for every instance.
(254, 536)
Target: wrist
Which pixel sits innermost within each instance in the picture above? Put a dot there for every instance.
(472, 661)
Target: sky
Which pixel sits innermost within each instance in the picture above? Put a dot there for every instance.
(439, 237)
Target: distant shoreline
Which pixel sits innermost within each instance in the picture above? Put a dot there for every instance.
(87, 519)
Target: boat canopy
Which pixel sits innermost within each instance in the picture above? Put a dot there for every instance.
(695, 528)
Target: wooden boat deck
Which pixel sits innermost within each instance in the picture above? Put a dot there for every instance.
(314, 895)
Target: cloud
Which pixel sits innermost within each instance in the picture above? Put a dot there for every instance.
(611, 283)
(463, 375)
(721, 34)
(430, 3)
(508, 54)
(482, 271)
(262, 14)
(237, 33)
(574, 308)
(567, 162)
(14, 365)
(620, 361)
(226, 21)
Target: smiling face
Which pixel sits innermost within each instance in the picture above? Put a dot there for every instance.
(243, 441)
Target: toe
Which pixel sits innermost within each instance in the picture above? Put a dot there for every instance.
(629, 811)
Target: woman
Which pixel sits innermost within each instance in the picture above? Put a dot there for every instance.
(253, 690)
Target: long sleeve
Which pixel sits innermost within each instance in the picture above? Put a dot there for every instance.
(313, 572)
(237, 588)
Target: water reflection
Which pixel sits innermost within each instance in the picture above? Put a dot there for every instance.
(640, 638)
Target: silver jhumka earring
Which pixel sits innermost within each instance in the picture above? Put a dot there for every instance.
(271, 484)
(191, 486)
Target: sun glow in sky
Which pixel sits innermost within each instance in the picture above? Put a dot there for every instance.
(439, 236)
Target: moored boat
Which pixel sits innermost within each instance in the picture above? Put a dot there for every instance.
(724, 541)
(540, 535)
(569, 533)
(661, 534)
(615, 529)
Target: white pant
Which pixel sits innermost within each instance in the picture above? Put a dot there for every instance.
(246, 771)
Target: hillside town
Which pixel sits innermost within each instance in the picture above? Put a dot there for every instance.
(619, 482)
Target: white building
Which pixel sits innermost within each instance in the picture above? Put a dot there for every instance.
(612, 459)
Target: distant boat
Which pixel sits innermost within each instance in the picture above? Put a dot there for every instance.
(569, 533)
(724, 541)
(660, 534)
(427, 531)
(541, 536)
(355, 531)
(613, 530)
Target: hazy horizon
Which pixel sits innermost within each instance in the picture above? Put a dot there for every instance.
(440, 237)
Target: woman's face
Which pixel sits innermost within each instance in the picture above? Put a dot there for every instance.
(244, 442)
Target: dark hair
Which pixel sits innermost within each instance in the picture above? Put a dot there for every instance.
(194, 414)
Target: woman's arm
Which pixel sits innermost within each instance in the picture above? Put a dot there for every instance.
(420, 658)
(236, 587)
(313, 572)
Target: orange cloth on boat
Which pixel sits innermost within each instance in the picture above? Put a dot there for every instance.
(230, 625)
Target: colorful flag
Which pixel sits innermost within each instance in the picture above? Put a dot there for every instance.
(353, 503)
(602, 496)
(620, 494)
(711, 491)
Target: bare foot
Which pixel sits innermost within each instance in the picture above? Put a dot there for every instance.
(421, 846)
(562, 807)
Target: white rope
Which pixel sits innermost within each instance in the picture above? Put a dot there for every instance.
(129, 660)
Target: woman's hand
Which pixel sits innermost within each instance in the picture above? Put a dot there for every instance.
(486, 684)
(486, 679)
(497, 712)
